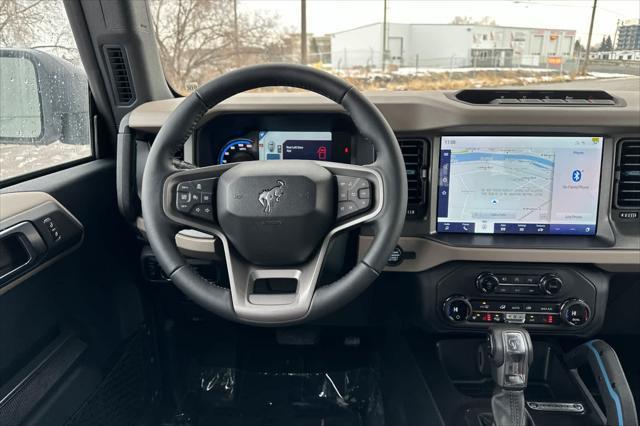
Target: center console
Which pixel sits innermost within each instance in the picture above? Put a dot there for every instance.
(542, 298)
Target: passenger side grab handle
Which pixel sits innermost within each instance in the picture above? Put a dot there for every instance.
(612, 382)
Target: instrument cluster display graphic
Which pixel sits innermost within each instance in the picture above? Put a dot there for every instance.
(289, 145)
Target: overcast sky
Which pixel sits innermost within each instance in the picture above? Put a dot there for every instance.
(328, 16)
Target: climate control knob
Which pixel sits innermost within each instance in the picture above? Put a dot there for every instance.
(575, 312)
(486, 282)
(550, 283)
(457, 308)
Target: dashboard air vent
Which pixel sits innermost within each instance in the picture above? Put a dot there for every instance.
(628, 194)
(413, 152)
(120, 75)
(537, 97)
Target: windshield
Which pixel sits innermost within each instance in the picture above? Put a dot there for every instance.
(407, 45)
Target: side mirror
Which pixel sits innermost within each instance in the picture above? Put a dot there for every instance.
(43, 99)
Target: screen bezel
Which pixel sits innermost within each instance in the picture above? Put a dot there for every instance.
(598, 213)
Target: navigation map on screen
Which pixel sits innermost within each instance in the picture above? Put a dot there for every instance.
(519, 184)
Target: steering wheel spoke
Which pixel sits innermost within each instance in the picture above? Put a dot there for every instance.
(290, 289)
(189, 197)
(359, 193)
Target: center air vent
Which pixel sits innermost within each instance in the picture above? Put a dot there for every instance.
(537, 97)
(120, 75)
(413, 152)
(628, 194)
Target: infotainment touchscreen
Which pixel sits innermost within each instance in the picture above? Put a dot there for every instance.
(290, 145)
(519, 184)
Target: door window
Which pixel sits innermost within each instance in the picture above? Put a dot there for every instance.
(44, 95)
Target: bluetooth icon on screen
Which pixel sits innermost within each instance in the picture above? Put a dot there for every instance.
(576, 176)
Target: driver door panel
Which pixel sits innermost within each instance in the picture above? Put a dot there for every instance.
(72, 303)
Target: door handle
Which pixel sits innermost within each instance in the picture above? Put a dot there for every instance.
(21, 248)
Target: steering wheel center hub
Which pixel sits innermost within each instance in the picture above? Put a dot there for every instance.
(276, 212)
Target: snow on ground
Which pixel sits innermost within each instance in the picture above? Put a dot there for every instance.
(20, 159)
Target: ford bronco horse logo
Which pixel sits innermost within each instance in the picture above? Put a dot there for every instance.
(269, 197)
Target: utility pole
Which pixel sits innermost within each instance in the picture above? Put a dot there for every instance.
(583, 70)
(303, 32)
(236, 44)
(384, 37)
(615, 36)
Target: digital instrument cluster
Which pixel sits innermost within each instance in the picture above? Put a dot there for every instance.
(286, 145)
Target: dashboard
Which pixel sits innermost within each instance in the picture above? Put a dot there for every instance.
(515, 212)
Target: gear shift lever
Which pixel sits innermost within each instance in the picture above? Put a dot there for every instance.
(511, 353)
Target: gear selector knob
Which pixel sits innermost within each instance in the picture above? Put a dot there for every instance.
(511, 353)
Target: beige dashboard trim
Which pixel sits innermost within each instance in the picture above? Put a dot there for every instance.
(410, 111)
(13, 203)
(431, 253)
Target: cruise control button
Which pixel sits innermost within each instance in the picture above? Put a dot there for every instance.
(204, 185)
(202, 211)
(184, 187)
(362, 183)
(184, 201)
(183, 207)
(362, 204)
(346, 208)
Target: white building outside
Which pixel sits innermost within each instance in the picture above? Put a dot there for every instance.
(451, 46)
(616, 55)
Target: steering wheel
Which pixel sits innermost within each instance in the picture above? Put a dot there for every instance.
(275, 219)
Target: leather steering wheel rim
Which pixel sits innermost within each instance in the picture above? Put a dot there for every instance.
(179, 126)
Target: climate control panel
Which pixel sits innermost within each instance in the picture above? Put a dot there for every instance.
(572, 312)
(508, 283)
(541, 298)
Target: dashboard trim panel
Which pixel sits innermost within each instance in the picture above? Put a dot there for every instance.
(430, 253)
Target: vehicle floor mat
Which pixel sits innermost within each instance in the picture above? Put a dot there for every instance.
(282, 385)
(227, 396)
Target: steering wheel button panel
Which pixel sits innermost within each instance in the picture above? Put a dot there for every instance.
(354, 196)
(194, 198)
